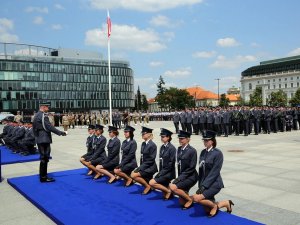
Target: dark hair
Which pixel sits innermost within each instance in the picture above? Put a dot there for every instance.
(170, 138)
(214, 142)
(115, 132)
(131, 135)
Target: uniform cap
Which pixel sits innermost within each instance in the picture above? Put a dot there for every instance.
(208, 134)
(165, 132)
(146, 130)
(184, 134)
(129, 128)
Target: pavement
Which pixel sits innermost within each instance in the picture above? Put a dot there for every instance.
(260, 173)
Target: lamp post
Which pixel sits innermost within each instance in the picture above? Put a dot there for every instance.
(218, 79)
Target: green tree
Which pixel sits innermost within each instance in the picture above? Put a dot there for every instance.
(224, 101)
(161, 97)
(296, 99)
(256, 97)
(278, 98)
(144, 103)
(178, 99)
(139, 99)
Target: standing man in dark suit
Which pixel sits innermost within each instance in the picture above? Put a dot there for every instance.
(182, 119)
(195, 115)
(176, 118)
(226, 121)
(189, 119)
(42, 130)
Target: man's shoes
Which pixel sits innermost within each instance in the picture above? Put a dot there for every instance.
(46, 179)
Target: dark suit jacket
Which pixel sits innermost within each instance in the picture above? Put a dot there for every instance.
(99, 148)
(209, 173)
(187, 160)
(148, 155)
(128, 149)
(167, 161)
(113, 150)
(42, 128)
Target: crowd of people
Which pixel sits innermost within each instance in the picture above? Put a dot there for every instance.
(177, 170)
(238, 120)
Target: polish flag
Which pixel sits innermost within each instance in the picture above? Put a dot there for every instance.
(108, 25)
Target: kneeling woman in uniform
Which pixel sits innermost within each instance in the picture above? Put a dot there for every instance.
(187, 173)
(99, 155)
(210, 181)
(144, 173)
(112, 160)
(128, 161)
(89, 146)
(166, 165)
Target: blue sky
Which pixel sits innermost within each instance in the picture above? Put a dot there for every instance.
(188, 42)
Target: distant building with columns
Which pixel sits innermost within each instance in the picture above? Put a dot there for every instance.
(272, 76)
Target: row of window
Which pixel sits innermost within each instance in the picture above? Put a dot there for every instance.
(19, 95)
(58, 86)
(68, 105)
(64, 68)
(279, 86)
(30, 76)
(259, 70)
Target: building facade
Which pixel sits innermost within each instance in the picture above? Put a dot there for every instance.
(62, 77)
(272, 76)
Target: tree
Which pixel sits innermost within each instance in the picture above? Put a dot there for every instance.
(178, 99)
(138, 99)
(160, 97)
(224, 101)
(256, 97)
(296, 99)
(144, 103)
(278, 98)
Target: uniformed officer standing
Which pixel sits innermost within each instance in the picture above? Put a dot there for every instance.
(176, 118)
(42, 131)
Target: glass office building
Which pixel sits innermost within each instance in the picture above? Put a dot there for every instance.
(71, 80)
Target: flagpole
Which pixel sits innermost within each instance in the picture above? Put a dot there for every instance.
(109, 71)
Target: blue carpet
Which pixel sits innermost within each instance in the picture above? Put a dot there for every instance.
(7, 157)
(77, 199)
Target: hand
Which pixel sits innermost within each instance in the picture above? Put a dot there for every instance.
(63, 134)
(200, 190)
(137, 170)
(176, 181)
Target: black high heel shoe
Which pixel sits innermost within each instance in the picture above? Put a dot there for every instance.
(230, 206)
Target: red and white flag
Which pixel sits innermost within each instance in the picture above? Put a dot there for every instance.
(108, 25)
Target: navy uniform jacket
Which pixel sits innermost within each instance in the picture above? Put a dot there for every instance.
(42, 128)
(210, 171)
(182, 117)
(226, 117)
(99, 148)
(89, 146)
(148, 155)
(128, 161)
(189, 117)
(210, 117)
(217, 118)
(202, 117)
(6, 128)
(29, 138)
(195, 117)
(113, 150)
(167, 161)
(19, 134)
(187, 161)
(176, 117)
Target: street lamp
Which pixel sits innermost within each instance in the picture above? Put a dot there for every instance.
(218, 79)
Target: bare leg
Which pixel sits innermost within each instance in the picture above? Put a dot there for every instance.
(128, 180)
(107, 173)
(138, 178)
(93, 168)
(206, 203)
(183, 195)
(166, 191)
(82, 160)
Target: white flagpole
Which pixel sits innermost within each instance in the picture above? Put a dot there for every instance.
(109, 72)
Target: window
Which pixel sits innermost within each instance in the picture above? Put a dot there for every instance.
(274, 86)
(285, 85)
(292, 84)
(291, 78)
(285, 78)
(279, 85)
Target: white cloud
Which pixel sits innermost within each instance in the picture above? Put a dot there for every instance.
(227, 42)
(180, 73)
(156, 64)
(126, 37)
(255, 45)
(142, 5)
(294, 52)
(59, 6)
(169, 36)
(31, 9)
(6, 26)
(56, 27)
(225, 63)
(160, 21)
(204, 54)
(38, 20)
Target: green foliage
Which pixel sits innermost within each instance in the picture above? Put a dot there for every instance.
(278, 98)
(160, 97)
(224, 101)
(144, 103)
(296, 99)
(256, 97)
